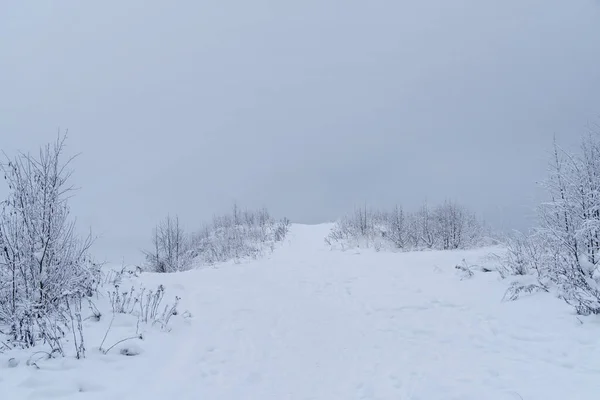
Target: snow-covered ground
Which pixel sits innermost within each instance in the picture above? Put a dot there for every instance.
(312, 323)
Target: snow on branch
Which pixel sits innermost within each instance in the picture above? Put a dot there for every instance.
(563, 251)
(239, 235)
(45, 266)
(445, 227)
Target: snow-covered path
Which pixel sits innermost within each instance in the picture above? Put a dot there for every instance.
(311, 323)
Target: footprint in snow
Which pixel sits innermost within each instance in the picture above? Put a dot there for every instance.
(395, 381)
(365, 391)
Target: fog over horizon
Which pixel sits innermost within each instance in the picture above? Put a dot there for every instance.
(306, 108)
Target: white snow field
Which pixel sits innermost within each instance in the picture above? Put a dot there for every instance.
(312, 323)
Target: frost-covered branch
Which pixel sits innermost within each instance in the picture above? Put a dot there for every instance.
(45, 267)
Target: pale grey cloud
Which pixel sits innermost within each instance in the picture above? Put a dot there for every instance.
(305, 107)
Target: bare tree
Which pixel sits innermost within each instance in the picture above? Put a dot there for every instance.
(170, 247)
(426, 226)
(569, 222)
(451, 223)
(45, 267)
(397, 230)
(564, 249)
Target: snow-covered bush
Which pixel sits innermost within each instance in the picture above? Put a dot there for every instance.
(564, 249)
(171, 247)
(235, 236)
(364, 228)
(45, 268)
(239, 235)
(525, 254)
(448, 226)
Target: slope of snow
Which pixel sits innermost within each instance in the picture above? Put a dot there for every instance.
(311, 323)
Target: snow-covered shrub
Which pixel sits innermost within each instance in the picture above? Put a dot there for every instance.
(564, 250)
(239, 235)
(114, 277)
(465, 270)
(361, 229)
(235, 236)
(517, 289)
(171, 247)
(282, 227)
(45, 267)
(448, 226)
(455, 227)
(525, 254)
(570, 223)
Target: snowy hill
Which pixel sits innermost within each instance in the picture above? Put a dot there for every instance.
(312, 323)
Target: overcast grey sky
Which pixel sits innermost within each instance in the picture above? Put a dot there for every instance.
(306, 107)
